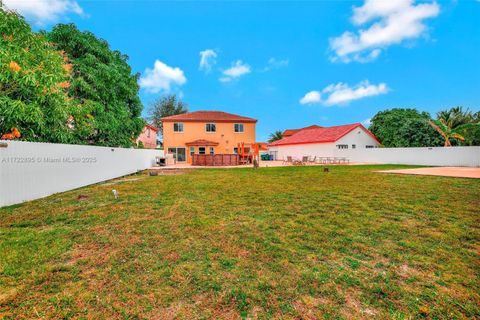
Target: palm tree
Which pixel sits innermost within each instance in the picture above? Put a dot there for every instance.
(277, 135)
(453, 123)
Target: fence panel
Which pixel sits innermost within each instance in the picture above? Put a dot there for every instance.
(435, 156)
(32, 170)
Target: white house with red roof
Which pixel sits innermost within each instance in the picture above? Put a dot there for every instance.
(323, 141)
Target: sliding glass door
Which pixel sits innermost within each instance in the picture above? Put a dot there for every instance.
(179, 154)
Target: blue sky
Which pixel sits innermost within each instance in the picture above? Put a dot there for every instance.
(289, 64)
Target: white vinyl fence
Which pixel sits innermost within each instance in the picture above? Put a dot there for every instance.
(438, 156)
(31, 170)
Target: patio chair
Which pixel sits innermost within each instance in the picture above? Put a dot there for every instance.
(313, 160)
(305, 159)
(289, 160)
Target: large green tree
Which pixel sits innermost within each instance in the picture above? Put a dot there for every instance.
(103, 78)
(404, 128)
(472, 135)
(34, 82)
(457, 126)
(165, 106)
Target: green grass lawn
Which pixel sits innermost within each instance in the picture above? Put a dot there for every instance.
(290, 243)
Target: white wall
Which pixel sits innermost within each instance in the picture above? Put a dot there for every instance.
(30, 170)
(438, 156)
(297, 151)
(357, 137)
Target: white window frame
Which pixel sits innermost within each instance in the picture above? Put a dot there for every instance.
(178, 126)
(342, 146)
(204, 150)
(211, 151)
(210, 123)
(235, 127)
(191, 151)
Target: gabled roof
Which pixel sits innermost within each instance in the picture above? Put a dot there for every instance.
(202, 143)
(148, 125)
(213, 116)
(290, 132)
(320, 135)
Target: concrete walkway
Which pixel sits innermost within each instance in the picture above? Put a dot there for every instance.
(458, 172)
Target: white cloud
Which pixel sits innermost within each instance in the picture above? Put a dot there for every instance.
(274, 63)
(44, 11)
(311, 97)
(341, 93)
(238, 69)
(161, 78)
(207, 59)
(392, 22)
(367, 122)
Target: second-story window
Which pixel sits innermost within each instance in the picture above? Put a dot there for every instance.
(238, 127)
(210, 127)
(178, 127)
(148, 132)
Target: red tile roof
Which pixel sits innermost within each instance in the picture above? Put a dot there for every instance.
(289, 132)
(202, 143)
(214, 116)
(320, 135)
(148, 125)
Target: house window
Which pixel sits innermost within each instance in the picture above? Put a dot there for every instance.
(235, 150)
(369, 147)
(354, 146)
(212, 151)
(210, 127)
(342, 146)
(201, 150)
(148, 132)
(238, 127)
(192, 151)
(178, 127)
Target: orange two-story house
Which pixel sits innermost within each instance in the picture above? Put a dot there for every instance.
(206, 132)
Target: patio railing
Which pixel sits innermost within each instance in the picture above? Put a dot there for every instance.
(215, 160)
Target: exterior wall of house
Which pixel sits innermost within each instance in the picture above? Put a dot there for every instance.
(225, 136)
(297, 151)
(357, 137)
(148, 138)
